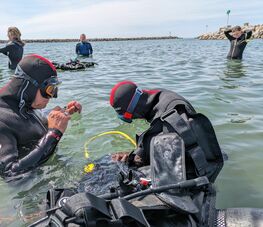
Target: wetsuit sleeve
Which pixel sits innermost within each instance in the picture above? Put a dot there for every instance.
(227, 34)
(4, 50)
(11, 165)
(77, 48)
(248, 34)
(138, 151)
(143, 153)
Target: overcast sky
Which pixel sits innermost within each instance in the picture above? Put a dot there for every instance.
(124, 18)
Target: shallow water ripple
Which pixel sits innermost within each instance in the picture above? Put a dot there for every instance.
(228, 92)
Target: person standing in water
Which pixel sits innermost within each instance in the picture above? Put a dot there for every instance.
(28, 138)
(84, 48)
(14, 48)
(238, 40)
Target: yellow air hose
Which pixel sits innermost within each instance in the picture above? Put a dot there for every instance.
(89, 168)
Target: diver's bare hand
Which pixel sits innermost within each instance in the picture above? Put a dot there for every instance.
(120, 156)
(58, 119)
(73, 107)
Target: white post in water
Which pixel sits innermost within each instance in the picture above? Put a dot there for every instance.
(227, 12)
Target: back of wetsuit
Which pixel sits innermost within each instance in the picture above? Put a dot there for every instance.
(14, 51)
(162, 101)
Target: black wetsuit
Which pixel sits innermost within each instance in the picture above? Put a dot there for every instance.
(14, 50)
(237, 44)
(25, 140)
(161, 102)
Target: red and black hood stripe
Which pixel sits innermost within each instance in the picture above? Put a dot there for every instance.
(122, 93)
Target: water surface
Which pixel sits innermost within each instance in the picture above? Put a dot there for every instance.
(228, 92)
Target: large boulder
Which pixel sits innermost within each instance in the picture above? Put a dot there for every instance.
(256, 29)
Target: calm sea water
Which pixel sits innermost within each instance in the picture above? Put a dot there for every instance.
(228, 92)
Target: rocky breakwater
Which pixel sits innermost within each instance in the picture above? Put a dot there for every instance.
(94, 40)
(256, 29)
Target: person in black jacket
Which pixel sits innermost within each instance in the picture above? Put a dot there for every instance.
(167, 112)
(238, 40)
(132, 103)
(27, 138)
(14, 48)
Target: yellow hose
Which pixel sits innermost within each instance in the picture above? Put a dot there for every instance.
(89, 168)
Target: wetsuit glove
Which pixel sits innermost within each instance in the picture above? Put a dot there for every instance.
(131, 159)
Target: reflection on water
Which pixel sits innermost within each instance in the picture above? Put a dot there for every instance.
(232, 71)
(5, 74)
(228, 92)
(235, 69)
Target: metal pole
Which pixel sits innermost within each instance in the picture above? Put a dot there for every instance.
(227, 12)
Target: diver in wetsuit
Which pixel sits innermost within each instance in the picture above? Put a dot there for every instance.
(84, 48)
(27, 138)
(238, 41)
(151, 104)
(14, 48)
(132, 103)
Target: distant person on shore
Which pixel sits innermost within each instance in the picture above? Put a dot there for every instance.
(238, 40)
(14, 48)
(84, 48)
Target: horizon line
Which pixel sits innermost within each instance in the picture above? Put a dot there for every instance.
(96, 39)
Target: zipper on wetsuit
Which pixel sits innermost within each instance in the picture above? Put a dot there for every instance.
(39, 121)
(234, 49)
